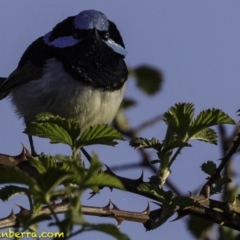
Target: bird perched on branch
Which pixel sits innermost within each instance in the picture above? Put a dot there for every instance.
(76, 71)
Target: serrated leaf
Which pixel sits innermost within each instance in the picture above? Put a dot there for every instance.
(209, 118)
(146, 143)
(209, 168)
(103, 180)
(9, 191)
(148, 79)
(163, 196)
(57, 129)
(42, 163)
(206, 135)
(99, 134)
(179, 118)
(36, 164)
(95, 176)
(174, 142)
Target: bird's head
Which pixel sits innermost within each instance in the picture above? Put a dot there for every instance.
(75, 29)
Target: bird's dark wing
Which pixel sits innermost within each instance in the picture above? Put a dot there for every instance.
(2, 79)
(18, 77)
(29, 67)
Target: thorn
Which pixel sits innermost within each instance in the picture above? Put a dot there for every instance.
(107, 207)
(28, 154)
(11, 216)
(108, 170)
(22, 209)
(155, 161)
(92, 195)
(23, 156)
(147, 210)
(159, 204)
(119, 221)
(114, 206)
(54, 205)
(190, 194)
(140, 179)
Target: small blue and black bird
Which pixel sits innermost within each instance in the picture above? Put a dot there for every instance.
(75, 71)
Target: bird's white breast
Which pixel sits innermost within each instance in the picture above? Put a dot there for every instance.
(58, 93)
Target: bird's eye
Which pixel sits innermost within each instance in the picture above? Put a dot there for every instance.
(106, 36)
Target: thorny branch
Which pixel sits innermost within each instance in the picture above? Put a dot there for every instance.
(230, 215)
(206, 188)
(145, 217)
(110, 211)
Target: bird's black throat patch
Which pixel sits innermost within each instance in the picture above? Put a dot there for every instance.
(94, 63)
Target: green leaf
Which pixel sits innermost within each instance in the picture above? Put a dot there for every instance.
(52, 179)
(99, 134)
(228, 233)
(237, 201)
(121, 121)
(108, 229)
(15, 175)
(165, 197)
(219, 183)
(95, 176)
(103, 180)
(9, 191)
(57, 129)
(146, 143)
(36, 164)
(179, 118)
(149, 79)
(174, 142)
(209, 118)
(157, 221)
(128, 103)
(199, 227)
(43, 163)
(209, 168)
(184, 202)
(206, 135)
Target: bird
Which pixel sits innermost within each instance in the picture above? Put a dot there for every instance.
(75, 71)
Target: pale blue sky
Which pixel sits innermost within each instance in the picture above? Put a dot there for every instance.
(195, 44)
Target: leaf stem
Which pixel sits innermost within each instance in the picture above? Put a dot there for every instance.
(74, 153)
(174, 156)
